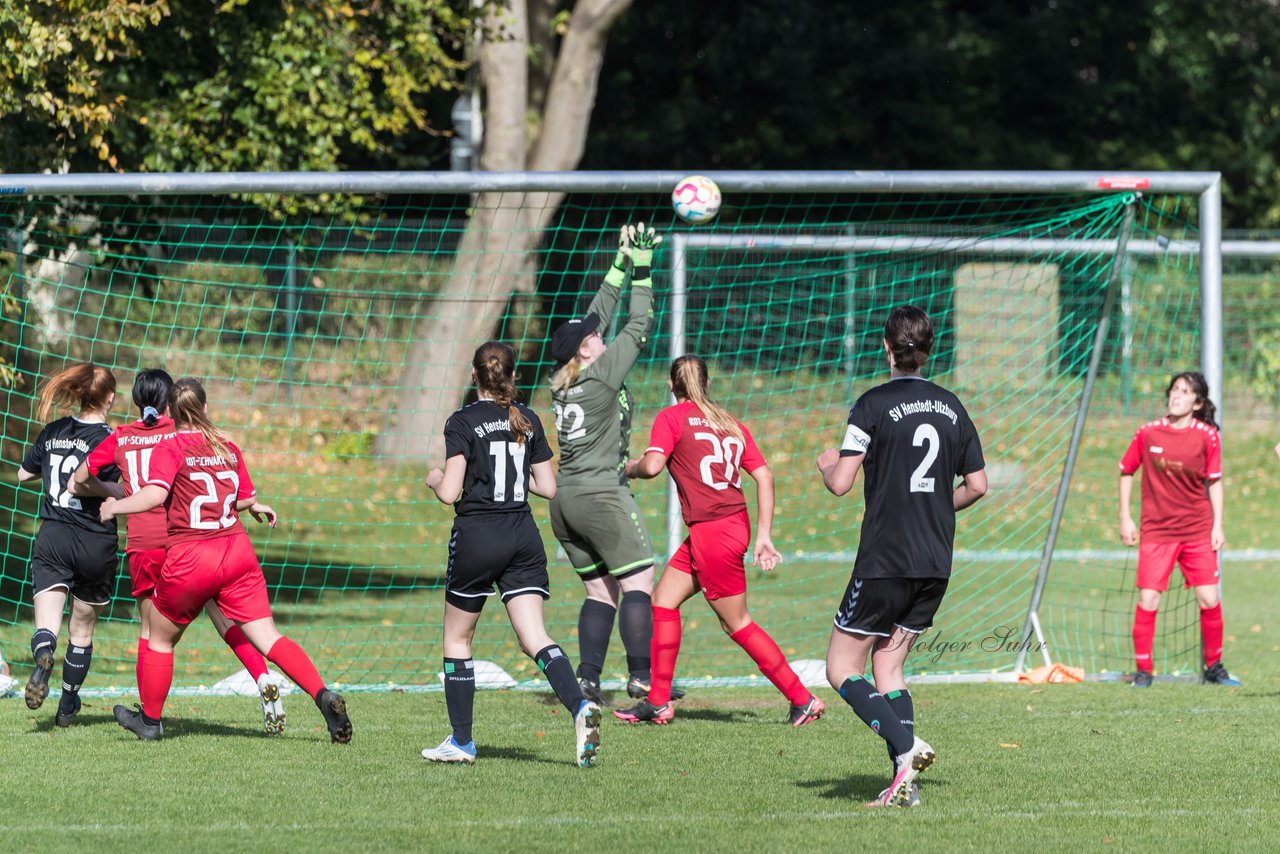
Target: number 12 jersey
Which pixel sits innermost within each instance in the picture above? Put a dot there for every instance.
(917, 438)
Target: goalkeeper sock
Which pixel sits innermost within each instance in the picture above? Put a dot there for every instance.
(595, 625)
(246, 652)
(900, 702)
(875, 711)
(1211, 631)
(75, 667)
(663, 653)
(555, 665)
(635, 624)
(1144, 635)
(772, 663)
(153, 685)
(460, 696)
(297, 665)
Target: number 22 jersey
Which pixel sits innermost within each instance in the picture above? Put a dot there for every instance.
(203, 487)
(918, 439)
(705, 463)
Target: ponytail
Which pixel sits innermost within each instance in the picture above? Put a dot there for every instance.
(689, 381)
(151, 394)
(567, 375)
(494, 364)
(186, 403)
(87, 386)
(909, 334)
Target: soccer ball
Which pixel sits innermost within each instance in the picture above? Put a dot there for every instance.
(696, 199)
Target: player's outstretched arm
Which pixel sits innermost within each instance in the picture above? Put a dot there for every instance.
(83, 483)
(648, 466)
(605, 302)
(1128, 530)
(147, 498)
(24, 475)
(447, 484)
(542, 479)
(257, 510)
(838, 473)
(973, 487)
(764, 555)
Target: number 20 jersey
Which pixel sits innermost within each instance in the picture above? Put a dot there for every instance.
(917, 438)
(497, 479)
(705, 463)
(203, 487)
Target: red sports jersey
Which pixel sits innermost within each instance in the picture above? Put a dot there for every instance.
(203, 488)
(1175, 463)
(129, 448)
(705, 463)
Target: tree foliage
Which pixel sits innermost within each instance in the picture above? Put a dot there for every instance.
(184, 85)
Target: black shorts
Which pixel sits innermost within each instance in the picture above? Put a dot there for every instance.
(495, 548)
(68, 556)
(874, 606)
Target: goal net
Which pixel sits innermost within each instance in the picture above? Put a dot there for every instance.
(329, 327)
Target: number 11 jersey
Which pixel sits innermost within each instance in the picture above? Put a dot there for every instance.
(497, 479)
(918, 439)
(705, 463)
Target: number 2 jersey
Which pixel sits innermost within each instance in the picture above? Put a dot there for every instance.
(497, 478)
(58, 451)
(705, 463)
(203, 487)
(917, 438)
(128, 449)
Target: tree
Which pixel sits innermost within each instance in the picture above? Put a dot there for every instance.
(540, 93)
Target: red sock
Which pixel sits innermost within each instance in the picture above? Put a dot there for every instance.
(246, 652)
(297, 665)
(772, 663)
(663, 650)
(1211, 630)
(142, 656)
(1144, 635)
(154, 682)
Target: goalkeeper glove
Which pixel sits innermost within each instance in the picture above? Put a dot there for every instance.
(643, 242)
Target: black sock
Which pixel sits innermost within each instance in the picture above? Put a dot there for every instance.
(635, 624)
(900, 702)
(75, 667)
(595, 625)
(876, 713)
(43, 639)
(555, 665)
(460, 696)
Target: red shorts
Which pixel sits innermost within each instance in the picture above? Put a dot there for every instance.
(144, 570)
(223, 569)
(1198, 560)
(714, 553)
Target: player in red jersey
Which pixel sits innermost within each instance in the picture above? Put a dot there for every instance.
(1181, 460)
(200, 477)
(129, 450)
(706, 450)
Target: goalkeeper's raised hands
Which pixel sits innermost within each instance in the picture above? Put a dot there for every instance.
(642, 243)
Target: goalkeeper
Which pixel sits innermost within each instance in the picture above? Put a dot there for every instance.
(594, 515)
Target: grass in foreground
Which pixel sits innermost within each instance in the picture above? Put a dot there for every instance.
(1050, 767)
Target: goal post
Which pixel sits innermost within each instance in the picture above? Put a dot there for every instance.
(302, 300)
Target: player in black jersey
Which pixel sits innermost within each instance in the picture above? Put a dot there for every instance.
(913, 439)
(496, 454)
(74, 552)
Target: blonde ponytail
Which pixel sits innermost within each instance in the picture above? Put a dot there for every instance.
(689, 381)
(186, 406)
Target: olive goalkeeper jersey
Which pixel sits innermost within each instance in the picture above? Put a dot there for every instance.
(593, 416)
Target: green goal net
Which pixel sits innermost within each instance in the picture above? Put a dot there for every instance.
(333, 333)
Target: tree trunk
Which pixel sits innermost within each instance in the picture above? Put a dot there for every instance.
(494, 258)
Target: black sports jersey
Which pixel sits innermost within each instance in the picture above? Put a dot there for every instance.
(497, 478)
(59, 450)
(917, 438)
